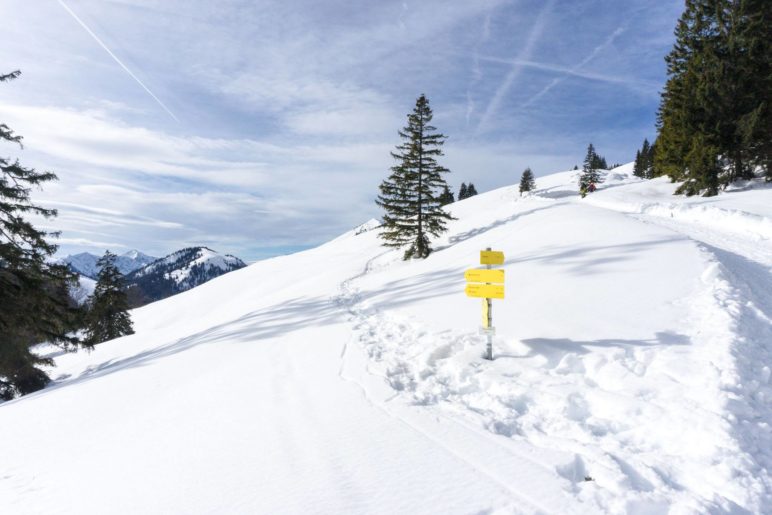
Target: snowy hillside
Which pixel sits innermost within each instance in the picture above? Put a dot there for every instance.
(86, 264)
(632, 373)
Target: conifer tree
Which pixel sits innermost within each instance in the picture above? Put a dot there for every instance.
(410, 195)
(599, 163)
(463, 193)
(637, 165)
(590, 173)
(34, 303)
(108, 315)
(470, 190)
(750, 43)
(527, 181)
(644, 161)
(714, 122)
(446, 197)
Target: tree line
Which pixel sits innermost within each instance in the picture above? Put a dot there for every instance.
(35, 302)
(714, 123)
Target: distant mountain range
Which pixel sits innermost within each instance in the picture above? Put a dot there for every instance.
(85, 263)
(150, 279)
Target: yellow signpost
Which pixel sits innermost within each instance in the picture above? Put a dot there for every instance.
(487, 283)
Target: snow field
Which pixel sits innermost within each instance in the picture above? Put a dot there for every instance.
(632, 374)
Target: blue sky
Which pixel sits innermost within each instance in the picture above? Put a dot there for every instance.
(259, 127)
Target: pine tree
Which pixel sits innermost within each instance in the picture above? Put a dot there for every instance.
(714, 122)
(527, 181)
(108, 315)
(648, 171)
(34, 303)
(590, 173)
(446, 197)
(462, 193)
(644, 160)
(470, 190)
(750, 43)
(410, 195)
(638, 165)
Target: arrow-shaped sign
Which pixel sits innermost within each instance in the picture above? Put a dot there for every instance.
(491, 257)
(482, 275)
(485, 291)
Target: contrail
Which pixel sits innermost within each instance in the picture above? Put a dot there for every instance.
(525, 53)
(576, 69)
(115, 58)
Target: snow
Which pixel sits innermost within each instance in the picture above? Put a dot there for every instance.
(632, 373)
(83, 290)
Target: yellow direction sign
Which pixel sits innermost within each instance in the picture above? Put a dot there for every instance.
(485, 291)
(482, 275)
(491, 257)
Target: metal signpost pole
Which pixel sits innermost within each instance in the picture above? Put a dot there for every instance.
(486, 284)
(489, 332)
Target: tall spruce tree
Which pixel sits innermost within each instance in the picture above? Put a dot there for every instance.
(108, 315)
(750, 41)
(590, 171)
(411, 194)
(471, 191)
(527, 181)
(34, 302)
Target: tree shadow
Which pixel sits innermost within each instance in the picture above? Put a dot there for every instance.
(463, 236)
(250, 328)
(581, 261)
(554, 349)
(447, 281)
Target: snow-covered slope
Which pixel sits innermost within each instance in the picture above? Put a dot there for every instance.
(632, 374)
(85, 263)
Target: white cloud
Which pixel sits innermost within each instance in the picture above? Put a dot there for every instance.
(289, 110)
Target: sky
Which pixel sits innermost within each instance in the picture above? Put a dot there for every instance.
(258, 128)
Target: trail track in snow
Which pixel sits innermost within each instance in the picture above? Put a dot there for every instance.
(530, 482)
(413, 361)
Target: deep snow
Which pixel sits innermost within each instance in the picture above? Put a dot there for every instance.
(631, 373)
